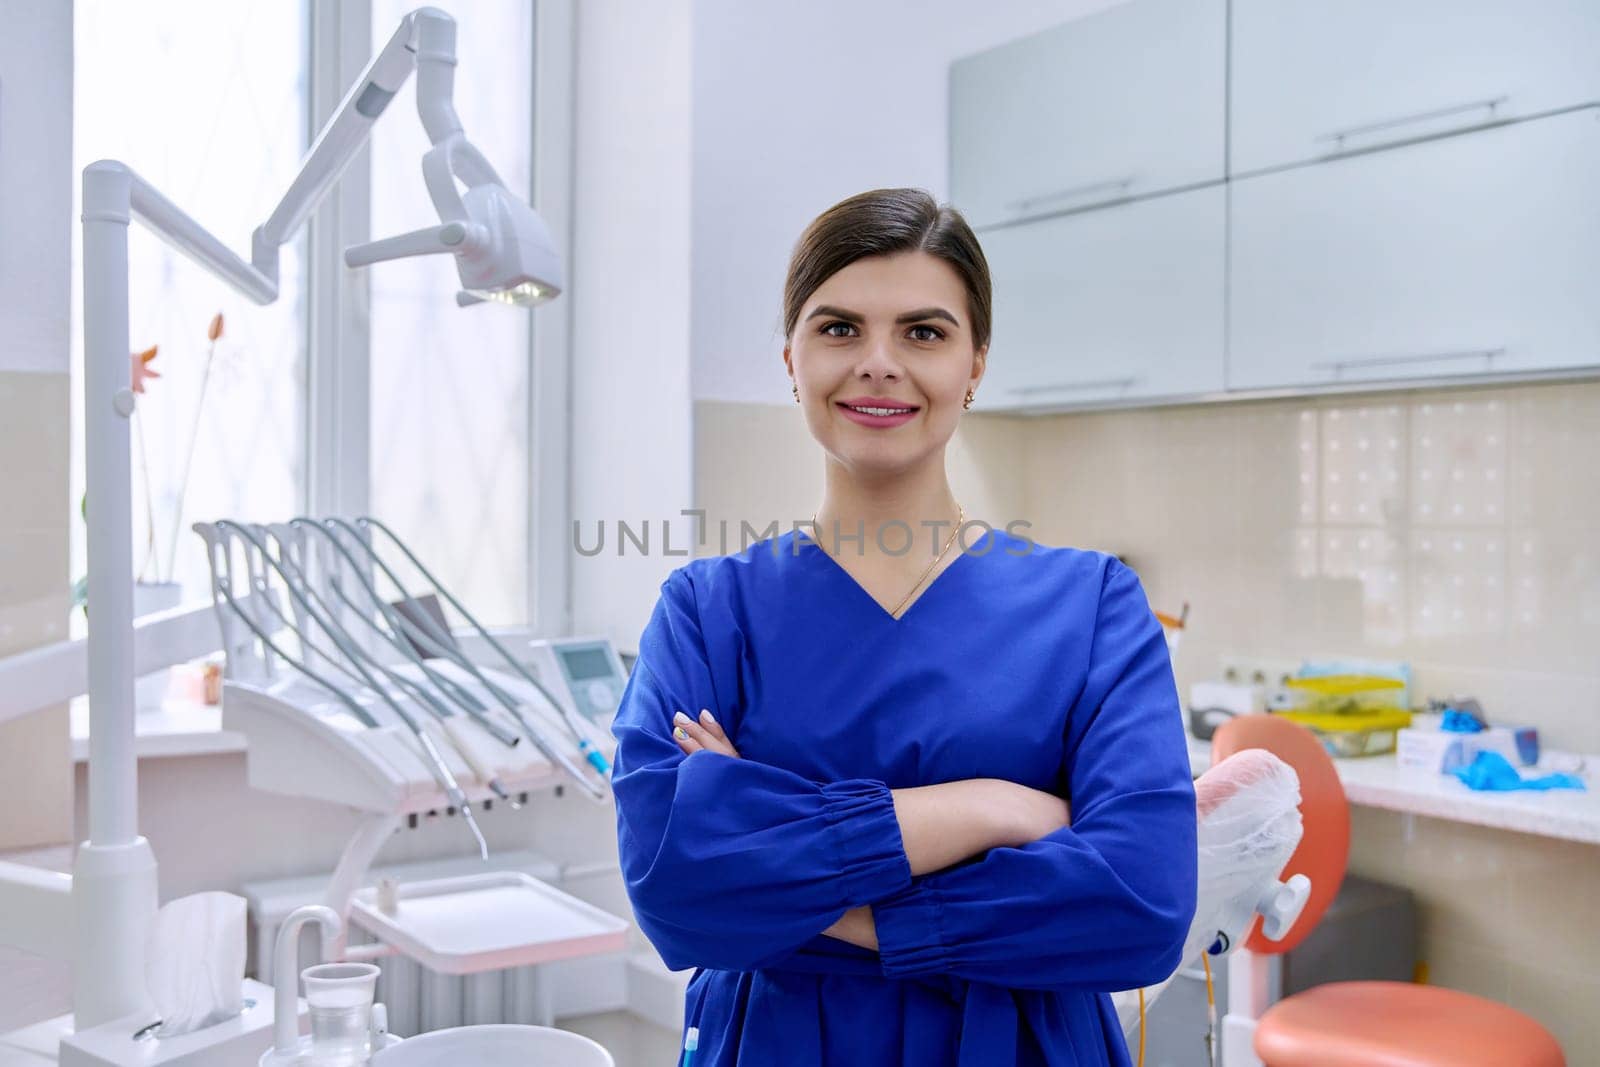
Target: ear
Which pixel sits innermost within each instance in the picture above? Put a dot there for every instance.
(788, 361)
(980, 363)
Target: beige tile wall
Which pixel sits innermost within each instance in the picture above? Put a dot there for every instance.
(35, 593)
(1458, 530)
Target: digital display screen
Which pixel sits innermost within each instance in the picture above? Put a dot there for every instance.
(584, 663)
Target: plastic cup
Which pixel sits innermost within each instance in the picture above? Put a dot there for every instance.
(340, 998)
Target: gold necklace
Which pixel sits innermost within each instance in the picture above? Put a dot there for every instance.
(961, 513)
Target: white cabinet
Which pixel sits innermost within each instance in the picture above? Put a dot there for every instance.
(1125, 102)
(1451, 258)
(1316, 78)
(1124, 303)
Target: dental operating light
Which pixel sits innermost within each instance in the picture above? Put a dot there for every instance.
(503, 253)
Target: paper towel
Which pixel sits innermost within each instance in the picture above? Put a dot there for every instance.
(194, 962)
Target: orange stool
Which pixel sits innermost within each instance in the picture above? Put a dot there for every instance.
(1399, 1024)
(1363, 1024)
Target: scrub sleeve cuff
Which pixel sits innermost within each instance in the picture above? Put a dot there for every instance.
(865, 836)
(911, 936)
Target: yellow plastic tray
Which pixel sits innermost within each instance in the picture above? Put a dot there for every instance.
(1345, 684)
(1358, 719)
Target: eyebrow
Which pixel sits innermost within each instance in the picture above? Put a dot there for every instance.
(910, 316)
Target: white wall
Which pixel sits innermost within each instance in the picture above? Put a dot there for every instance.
(35, 184)
(631, 446)
(797, 106)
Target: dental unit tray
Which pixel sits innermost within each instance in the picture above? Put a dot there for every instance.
(487, 921)
(303, 743)
(350, 696)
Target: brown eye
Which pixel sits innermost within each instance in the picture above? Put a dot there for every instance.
(828, 330)
(926, 333)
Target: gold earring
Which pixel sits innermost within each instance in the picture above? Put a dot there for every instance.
(967, 404)
(796, 387)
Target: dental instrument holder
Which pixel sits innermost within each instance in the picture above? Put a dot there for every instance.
(115, 885)
(309, 738)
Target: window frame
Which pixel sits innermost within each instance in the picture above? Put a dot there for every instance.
(338, 374)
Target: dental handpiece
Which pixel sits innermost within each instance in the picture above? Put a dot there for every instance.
(207, 533)
(592, 754)
(454, 792)
(417, 691)
(439, 647)
(468, 703)
(439, 768)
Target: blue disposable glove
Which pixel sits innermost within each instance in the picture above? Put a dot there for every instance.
(1492, 771)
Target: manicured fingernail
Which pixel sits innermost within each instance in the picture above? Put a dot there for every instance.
(679, 733)
(707, 717)
(681, 717)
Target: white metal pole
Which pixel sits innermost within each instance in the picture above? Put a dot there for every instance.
(114, 876)
(108, 404)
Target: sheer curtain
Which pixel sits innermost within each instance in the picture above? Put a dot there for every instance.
(450, 386)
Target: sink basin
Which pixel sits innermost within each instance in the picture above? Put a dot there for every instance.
(492, 1046)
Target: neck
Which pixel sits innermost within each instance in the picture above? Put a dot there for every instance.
(915, 496)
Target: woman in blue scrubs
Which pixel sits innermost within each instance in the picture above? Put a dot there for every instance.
(903, 798)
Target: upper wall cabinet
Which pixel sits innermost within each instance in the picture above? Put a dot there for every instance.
(1319, 78)
(1452, 258)
(1126, 102)
(1111, 306)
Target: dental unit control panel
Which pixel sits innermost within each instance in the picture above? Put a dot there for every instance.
(588, 671)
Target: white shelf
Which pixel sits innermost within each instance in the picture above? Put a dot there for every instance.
(1379, 782)
(489, 921)
(171, 728)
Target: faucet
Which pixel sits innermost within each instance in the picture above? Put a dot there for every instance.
(286, 972)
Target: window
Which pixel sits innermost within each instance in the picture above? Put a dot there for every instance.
(208, 102)
(450, 387)
(212, 104)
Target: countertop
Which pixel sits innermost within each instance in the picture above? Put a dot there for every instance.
(1380, 782)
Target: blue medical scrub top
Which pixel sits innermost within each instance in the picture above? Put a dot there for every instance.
(1040, 665)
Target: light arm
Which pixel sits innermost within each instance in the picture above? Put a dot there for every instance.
(346, 132)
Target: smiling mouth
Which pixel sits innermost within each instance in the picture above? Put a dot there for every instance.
(876, 410)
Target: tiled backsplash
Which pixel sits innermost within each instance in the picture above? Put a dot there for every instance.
(1456, 530)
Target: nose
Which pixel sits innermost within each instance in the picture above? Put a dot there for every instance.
(878, 361)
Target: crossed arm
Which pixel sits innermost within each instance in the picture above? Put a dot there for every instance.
(941, 825)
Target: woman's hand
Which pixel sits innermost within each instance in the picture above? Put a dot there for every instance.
(705, 734)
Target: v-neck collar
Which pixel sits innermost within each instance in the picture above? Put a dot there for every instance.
(810, 547)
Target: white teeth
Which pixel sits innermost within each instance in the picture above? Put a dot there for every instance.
(879, 411)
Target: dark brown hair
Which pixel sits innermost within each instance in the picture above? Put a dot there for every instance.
(881, 223)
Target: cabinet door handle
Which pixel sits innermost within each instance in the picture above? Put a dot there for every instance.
(1073, 193)
(1339, 366)
(1338, 136)
(1063, 387)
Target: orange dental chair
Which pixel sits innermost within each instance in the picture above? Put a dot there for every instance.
(1354, 1024)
